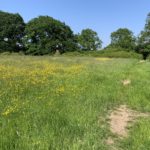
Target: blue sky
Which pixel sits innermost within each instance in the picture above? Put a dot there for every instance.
(103, 16)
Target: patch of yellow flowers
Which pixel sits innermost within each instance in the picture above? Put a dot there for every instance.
(60, 90)
(18, 77)
(43, 71)
(74, 69)
(103, 59)
(9, 110)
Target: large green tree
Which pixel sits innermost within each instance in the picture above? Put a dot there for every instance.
(123, 38)
(144, 39)
(46, 35)
(11, 32)
(89, 40)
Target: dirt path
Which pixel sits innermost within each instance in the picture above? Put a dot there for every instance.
(120, 119)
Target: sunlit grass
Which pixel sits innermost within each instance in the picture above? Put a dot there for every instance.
(63, 103)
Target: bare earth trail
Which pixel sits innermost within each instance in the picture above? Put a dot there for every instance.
(120, 119)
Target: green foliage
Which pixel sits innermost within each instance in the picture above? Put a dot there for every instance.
(89, 40)
(11, 32)
(120, 53)
(139, 138)
(144, 39)
(111, 53)
(123, 38)
(45, 35)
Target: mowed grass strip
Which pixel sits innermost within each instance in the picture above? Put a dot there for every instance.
(63, 103)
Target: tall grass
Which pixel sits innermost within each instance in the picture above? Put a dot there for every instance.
(60, 103)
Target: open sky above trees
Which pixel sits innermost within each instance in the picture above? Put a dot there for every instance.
(103, 16)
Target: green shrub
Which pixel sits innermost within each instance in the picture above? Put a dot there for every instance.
(112, 53)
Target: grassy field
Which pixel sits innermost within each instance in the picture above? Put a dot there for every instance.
(63, 103)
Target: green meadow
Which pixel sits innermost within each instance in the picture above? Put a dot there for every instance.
(63, 103)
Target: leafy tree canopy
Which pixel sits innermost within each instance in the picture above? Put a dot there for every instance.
(89, 40)
(123, 38)
(144, 39)
(46, 35)
(11, 31)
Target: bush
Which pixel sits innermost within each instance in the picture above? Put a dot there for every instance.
(112, 53)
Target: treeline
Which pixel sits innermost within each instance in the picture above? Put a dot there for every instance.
(46, 35)
(43, 35)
